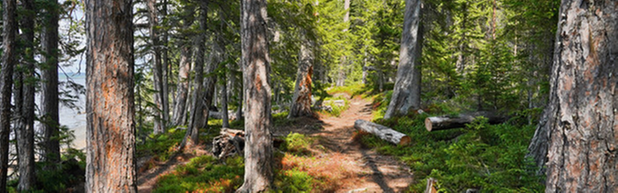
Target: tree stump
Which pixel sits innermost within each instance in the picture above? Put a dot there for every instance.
(230, 142)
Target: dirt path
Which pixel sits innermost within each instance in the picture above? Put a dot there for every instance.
(372, 172)
(382, 173)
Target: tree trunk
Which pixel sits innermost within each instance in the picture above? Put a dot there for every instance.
(301, 101)
(383, 132)
(582, 126)
(180, 107)
(224, 113)
(407, 91)
(459, 121)
(157, 69)
(191, 136)
(9, 60)
(24, 101)
(259, 172)
(49, 89)
(110, 161)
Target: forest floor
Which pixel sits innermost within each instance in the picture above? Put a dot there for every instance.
(367, 170)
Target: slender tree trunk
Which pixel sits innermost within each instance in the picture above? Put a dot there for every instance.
(341, 74)
(301, 100)
(407, 91)
(110, 161)
(191, 136)
(580, 124)
(24, 101)
(180, 107)
(209, 87)
(157, 69)
(225, 117)
(9, 60)
(259, 171)
(49, 89)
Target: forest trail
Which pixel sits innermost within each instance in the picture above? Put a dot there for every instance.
(381, 173)
(367, 170)
(370, 171)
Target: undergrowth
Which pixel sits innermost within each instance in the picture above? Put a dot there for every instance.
(481, 156)
(297, 169)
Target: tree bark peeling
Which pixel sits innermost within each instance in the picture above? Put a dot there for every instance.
(580, 127)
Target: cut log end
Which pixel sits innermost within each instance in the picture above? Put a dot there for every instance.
(428, 124)
(405, 140)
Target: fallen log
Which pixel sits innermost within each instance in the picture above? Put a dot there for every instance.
(383, 132)
(451, 122)
(431, 186)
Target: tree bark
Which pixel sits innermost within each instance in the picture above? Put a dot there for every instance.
(301, 100)
(459, 121)
(8, 62)
(157, 69)
(180, 107)
(259, 173)
(110, 161)
(24, 101)
(49, 89)
(383, 132)
(407, 91)
(581, 126)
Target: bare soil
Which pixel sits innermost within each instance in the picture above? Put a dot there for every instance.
(372, 172)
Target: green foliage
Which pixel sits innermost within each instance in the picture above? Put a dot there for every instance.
(203, 174)
(484, 156)
(294, 181)
(299, 144)
(162, 145)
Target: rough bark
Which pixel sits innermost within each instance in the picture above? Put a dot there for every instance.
(157, 69)
(49, 89)
(407, 92)
(383, 132)
(301, 100)
(110, 161)
(581, 125)
(9, 46)
(451, 122)
(180, 107)
(259, 171)
(24, 101)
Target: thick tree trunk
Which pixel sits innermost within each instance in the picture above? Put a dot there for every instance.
(49, 89)
(24, 101)
(582, 126)
(407, 91)
(383, 132)
(301, 100)
(459, 121)
(157, 69)
(259, 171)
(110, 161)
(180, 107)
(9, 45)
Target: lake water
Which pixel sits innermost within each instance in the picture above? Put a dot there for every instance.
(75, 119)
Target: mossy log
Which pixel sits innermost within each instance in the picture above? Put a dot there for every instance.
(383, 132)
(458, 121)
